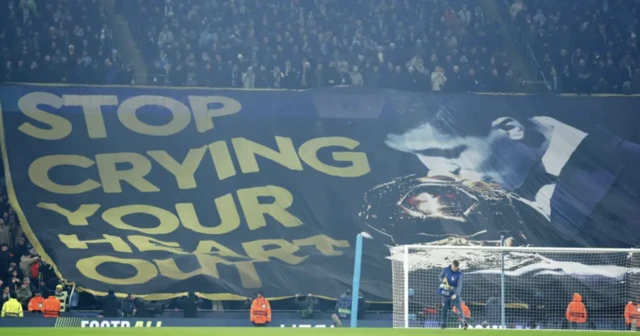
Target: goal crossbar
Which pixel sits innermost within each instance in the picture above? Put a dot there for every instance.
(523, 249)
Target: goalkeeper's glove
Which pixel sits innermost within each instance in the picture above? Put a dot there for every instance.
(445, 286)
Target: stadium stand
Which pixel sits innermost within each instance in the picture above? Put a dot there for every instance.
(418, 45)
(434, 45)
(583, 46)
(58, 42)
(412, 45)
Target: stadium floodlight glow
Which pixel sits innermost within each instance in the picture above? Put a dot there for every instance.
(516, 287)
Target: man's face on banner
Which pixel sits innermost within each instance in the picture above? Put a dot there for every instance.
(498, 156)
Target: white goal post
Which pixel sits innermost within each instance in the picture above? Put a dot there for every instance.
(518, 287)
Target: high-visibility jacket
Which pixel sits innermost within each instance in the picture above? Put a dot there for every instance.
(465, 310)
(632, 312)
(36, 304)
(12, 308)
(576, 311)
(51, 307)
(260, 311)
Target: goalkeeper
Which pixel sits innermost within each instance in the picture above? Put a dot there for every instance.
(449, 290)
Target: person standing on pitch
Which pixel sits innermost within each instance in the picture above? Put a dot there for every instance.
(450, 289)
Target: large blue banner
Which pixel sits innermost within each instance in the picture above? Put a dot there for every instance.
(229, 192)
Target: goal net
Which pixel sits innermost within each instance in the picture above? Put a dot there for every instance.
(517, 287)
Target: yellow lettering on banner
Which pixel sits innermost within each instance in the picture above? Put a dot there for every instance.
(247, 270)
(203, 112)
(183, 172)
(92, 109)
(39, 174)
(283, 250)
(229, 218)
(255, 212)
(222, 160)
(359, 164)
(246, 151)
(145, 271)
(147, 244)
(118, 244)
(208, 246)
(168, 222)
(57, 127)
(111, 177)
(324, 244)
(180, 115)
(78, 217)
(170, 269)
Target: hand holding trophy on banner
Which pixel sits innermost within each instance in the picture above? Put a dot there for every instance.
(448, 210)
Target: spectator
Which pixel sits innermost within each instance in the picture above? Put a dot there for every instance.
(44, 289)
(249, 79)
(110, 305)
(5, 234)
(555, 81)
(473, 83)
(306, 305)
(62, 296)
(23, 294)
(5, 261)
(635, 82)
(20, 249)
(128, 306)
(25, 263)
(36, 304)
(438, 79)
(248, 301)
(141, 308)
(6, 295)
(494, 83)
(356, 77)
(190, 305)
(27, 281)
(14, 278)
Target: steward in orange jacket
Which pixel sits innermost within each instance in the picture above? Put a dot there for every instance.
(36, 304)
(51, 306)
(260, 314)
(632, 312)
(576, 311)
(465, 310)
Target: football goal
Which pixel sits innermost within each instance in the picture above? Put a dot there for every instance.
(519, 287)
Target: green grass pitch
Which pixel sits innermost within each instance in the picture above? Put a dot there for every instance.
(280, 332)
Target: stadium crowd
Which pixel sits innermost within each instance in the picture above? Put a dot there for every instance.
(22, 272)
(58, 41)
(433, 45)
(427, 45)
(583, 46)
